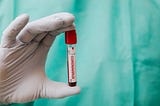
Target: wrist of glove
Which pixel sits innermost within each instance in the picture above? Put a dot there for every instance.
(23, 52)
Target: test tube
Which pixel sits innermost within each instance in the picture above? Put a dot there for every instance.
(71, 40)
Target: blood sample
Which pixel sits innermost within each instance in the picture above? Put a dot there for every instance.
(71, 40)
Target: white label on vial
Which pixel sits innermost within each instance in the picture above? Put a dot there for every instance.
(71, 64)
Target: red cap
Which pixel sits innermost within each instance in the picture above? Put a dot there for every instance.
(70, 37)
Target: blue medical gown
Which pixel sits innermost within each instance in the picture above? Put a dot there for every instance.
(118, 50)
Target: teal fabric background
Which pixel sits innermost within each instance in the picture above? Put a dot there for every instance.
(118, 50)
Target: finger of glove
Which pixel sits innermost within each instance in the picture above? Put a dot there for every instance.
(48, 40)
(10, 33)
(58, 31)
(54, 89)
(49, 23)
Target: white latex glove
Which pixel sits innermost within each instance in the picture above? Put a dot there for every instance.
(23, 53)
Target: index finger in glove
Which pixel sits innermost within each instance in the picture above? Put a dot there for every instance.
(50, 23)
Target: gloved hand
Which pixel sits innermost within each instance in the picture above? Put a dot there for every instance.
(23, 53)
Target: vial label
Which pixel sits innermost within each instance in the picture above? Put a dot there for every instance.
(71, 64)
